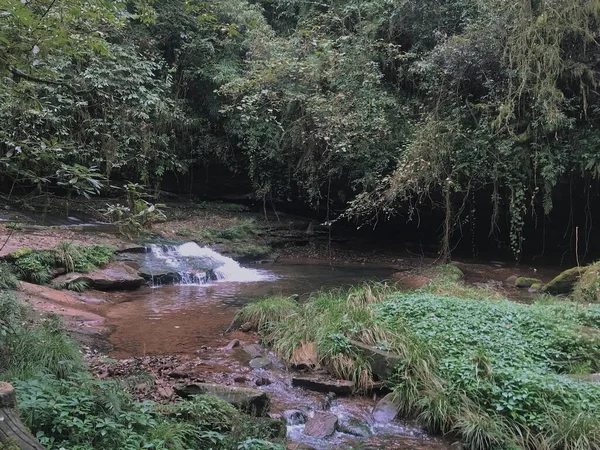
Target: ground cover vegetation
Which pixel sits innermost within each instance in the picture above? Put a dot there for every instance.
(477, 109)
(66, 407)
(495, 373)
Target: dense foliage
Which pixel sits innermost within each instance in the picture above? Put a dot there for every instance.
(66, 407)
(365, 107)
(496, 373)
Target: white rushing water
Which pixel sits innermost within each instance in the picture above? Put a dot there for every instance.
(200, 265)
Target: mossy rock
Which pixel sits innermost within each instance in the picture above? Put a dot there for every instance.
(526, 282)
(564, 283)
(587, 288)
(18, 254)
(536, 286)
(448, 272)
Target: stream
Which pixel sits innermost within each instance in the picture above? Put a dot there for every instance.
(188, 318)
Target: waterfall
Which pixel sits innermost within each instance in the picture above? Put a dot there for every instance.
(199, 265)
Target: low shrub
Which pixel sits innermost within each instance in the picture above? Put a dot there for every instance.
(40, 266)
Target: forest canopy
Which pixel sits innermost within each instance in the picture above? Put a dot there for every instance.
(483, 110)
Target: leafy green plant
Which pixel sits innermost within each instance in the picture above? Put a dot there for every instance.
(8, 279)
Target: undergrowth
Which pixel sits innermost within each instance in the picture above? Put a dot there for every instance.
(40, 266)
(496, 373)
(66, 408)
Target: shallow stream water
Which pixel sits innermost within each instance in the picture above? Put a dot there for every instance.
(190, 319)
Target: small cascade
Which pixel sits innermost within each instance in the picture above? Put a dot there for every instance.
(191, 264)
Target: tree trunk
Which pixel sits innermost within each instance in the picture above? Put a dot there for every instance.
(13, 434)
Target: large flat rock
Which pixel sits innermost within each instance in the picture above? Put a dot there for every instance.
(115, 276)
(251, 401)
(321, 384)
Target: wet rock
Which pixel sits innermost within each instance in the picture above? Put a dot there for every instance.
(251, 401)
(233, 344)
(178, 373)
(355, 427)
(131, 248)
(564, 282)
(159, 276)
(386, 410)
(321, 425)
(240, 379)
(253, 350)
(511, 281)
(321, 384)
(526, 282)
(262, 381)
(247, 326)
(382, 362)
(260, 363)
(115, 276)
(295, 417)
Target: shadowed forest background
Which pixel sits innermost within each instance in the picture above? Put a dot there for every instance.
(471, 124)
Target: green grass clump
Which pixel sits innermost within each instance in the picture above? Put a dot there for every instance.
(319, 331)
(243, 231)
(587, 288)
(33, 351)
(40, 266)
(262, 313)
(8, 279)
(252, 251)
(526, 282)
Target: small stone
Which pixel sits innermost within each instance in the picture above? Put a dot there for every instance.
(260, 363)
(321, 425)
(253, 350)
(233, 344)
(240, 379)
(178, 374)
(355, 427)
(262, 381)
(294, 417)
(246, 327)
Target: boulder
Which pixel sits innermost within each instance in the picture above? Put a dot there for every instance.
(526, 282)
(321, 425)
(159, 276)
(587, 288)
(382, 362)
(295, 417)
(260, 363)
(115, 276)
(564, 282)
(253, 350)
(251, 401)
(386, 410)
(322, 384)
